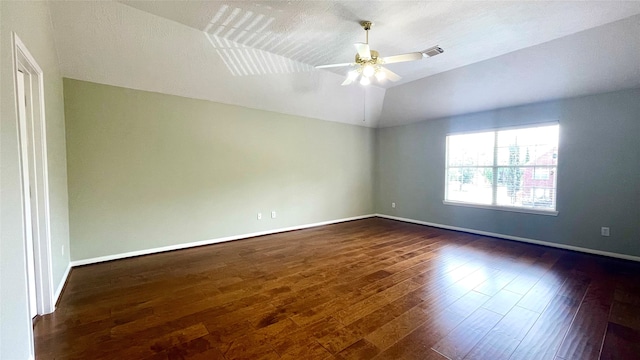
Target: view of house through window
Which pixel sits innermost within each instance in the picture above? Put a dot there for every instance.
(514, 168)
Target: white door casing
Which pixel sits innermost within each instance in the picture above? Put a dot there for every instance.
(26, 188)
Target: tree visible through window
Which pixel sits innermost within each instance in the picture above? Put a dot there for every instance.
(514, 168)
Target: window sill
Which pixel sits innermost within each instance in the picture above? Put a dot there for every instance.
(503, 208)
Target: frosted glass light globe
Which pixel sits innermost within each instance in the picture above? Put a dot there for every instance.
(368, 70)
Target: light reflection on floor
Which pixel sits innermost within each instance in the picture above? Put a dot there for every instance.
(465, 272)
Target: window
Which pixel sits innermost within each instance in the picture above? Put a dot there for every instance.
(541, 173)
(509, 169)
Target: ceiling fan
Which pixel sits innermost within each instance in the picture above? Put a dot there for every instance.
(368, 62)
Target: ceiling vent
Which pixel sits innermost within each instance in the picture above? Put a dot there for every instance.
(432, 51)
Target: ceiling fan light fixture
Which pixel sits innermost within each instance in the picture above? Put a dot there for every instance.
(368, 70)
(380, 75)
(364, 81)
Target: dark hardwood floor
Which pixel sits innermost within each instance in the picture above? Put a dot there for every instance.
(365, 289)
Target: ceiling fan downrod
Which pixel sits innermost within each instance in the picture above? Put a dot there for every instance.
(366, 25)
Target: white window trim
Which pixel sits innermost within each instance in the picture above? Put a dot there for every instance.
(502, 208)
(518, 209)
(506, 128)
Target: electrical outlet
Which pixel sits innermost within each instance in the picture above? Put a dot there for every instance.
(273, 214)
(259, 216)
(604, 231)
(393, 205)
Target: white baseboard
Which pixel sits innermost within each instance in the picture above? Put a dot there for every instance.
(63, 281)
(516, 238)
(209, 242)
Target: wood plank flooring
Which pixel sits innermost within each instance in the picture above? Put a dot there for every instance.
(366, 289)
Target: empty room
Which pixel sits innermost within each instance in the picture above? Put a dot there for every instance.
(320, 180)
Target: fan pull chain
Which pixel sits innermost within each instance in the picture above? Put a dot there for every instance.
(364, 104)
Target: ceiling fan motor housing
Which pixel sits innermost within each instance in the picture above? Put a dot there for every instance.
(373, 61)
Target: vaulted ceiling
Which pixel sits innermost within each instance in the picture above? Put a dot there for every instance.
(261, 54)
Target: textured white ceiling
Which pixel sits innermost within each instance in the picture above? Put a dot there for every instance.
(111, 43)
(322, 32)
(603, 59)
(260, 54)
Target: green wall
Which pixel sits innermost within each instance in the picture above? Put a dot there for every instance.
(148, 170)
(32, 23)
(598, 172)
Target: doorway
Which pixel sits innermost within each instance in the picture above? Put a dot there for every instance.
(29, 95)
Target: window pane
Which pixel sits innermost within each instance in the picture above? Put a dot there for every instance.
(539, 197)
(519, 187)
(539, 187)
(541, 173)
(471, 185)
(544, 155)
(531, 146)
(509, 189)
(471, 149)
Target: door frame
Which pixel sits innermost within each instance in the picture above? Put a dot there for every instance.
(24, 171)
(38, 174)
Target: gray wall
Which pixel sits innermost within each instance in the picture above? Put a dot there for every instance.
(148, 170)
(31, 22)
(598, 172)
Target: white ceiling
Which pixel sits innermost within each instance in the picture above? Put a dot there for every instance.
(603, 59)
(260, 54)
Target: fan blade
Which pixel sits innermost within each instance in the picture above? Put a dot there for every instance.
(402, 58)
(348, 81)
(333, 65)
(352, 76)
(390, 74)
(363, 50)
